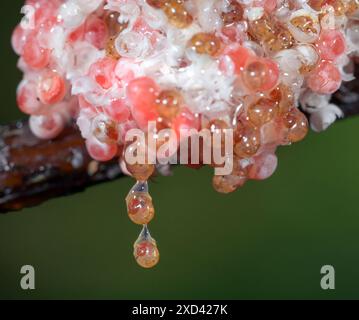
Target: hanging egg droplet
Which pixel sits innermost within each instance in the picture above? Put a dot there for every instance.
(140, 207)
(145, 250)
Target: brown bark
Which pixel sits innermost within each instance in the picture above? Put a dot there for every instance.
(33, 170)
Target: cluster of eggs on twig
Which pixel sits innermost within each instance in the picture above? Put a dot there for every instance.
(243, 65)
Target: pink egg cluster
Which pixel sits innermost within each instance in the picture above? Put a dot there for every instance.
(44, 91)
(244, 65)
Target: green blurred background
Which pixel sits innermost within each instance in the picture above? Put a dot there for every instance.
(268, 240)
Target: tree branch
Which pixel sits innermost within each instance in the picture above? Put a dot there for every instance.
(33, 171)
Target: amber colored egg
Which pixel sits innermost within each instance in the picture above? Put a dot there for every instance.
(157, 3)
(233, 13)
(141, 172)
(262, 111)
(297, 124)
(105, 131)
(205, 43)
(146, 254)
(177, 14)
(247, 141)
(140, 207)
(168, 104)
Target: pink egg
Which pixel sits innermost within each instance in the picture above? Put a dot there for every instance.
(27, 99)
(101, 151)
(103, 72)
(47, 126)
(260, 74)
(18, 39)
(34, 55)
(185, 121)
(51, 88)
(142, 93)
(118, 110)
(238, 55)
(331, 44)
(96, 32)
(325, 78)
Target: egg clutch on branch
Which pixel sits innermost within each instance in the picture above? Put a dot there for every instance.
(243, 65)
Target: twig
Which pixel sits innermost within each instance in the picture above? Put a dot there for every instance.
(33, 171)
